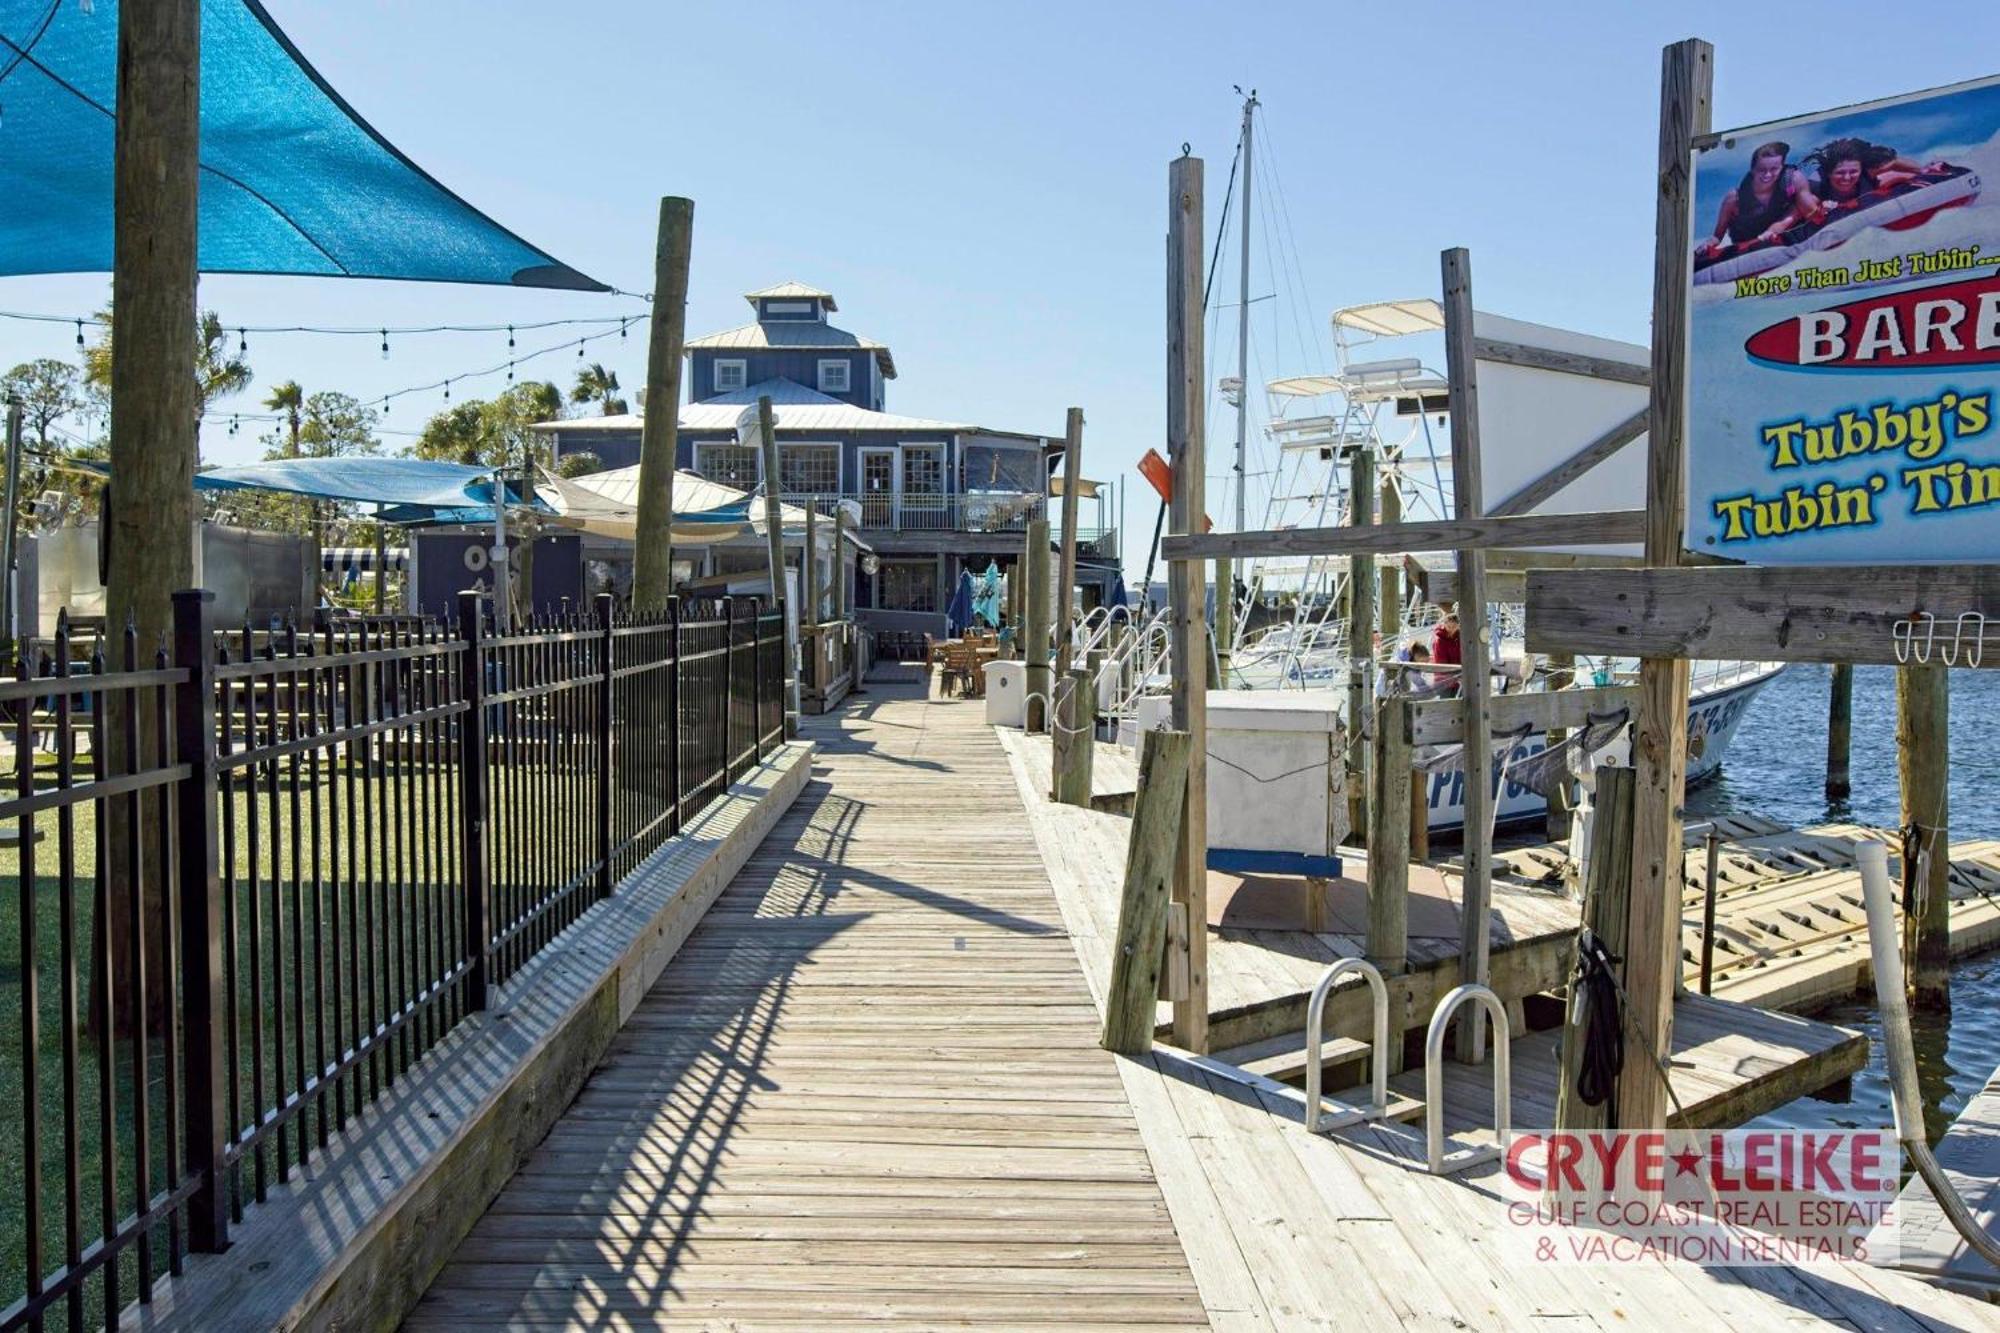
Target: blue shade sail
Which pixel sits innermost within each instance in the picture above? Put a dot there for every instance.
(292, 180)
(416, 482)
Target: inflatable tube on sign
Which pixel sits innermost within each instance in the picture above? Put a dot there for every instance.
(1910, 204)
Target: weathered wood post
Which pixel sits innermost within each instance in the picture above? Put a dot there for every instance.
(1225, 618)
(1475, 932)
(1151, 855)
(1075, 739)
(1606, 914)
(1562, 674)
(1923, 764)
(1659, 747)
(1360, 643)
(774, 547)
(1066, 568)
(659, 436)
(1035, 626)
(1389, 598)
(1389, 839)
(1840, 731)
(1186, 454)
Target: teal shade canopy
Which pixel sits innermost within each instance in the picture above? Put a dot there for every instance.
(293, 181)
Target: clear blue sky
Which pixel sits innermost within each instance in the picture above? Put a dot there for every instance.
(984, 187)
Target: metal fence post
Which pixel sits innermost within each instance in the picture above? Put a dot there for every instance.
(674, 708)
(728, 692)
(202, 1000)
(757, 676)
(472, 812)
(605, 607)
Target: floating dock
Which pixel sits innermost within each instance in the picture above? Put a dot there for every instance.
(1969, 1152)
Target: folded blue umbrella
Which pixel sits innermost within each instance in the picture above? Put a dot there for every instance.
(958, 616)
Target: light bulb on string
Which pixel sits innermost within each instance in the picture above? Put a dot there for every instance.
(510, 372)
(242, 342)
(79, 333)
(447, 391)
(579, 349)
(385, 344)
(510, 337)
(621, 329)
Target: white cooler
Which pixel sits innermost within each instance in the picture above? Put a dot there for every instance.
(1006, 693)
(1277, 778)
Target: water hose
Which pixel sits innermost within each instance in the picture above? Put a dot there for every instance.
(1900, 1050)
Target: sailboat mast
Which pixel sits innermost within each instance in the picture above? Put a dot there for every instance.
(1243, 327)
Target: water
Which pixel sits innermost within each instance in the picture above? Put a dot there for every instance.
(1777, 767)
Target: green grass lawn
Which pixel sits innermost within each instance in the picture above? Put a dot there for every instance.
(403, 927)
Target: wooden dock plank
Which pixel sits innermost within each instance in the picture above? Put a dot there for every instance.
(868, 1089)
(1265, 1210)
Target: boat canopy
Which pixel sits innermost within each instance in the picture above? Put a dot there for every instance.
(293, 180)
(1392, 319)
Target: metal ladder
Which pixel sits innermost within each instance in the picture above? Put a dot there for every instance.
(1434, 1141)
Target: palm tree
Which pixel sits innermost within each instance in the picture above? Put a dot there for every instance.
(217, 373)
(290, 399)
(595, 384)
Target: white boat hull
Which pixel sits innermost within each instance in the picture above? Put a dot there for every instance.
(1712, 721)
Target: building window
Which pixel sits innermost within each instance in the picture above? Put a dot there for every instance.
(907, 585)
(730, 464)
(833, 376)
(731, 375)
(809, 469)
(923, 469)
(790, 309)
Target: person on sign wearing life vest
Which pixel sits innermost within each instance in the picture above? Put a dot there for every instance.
(1851, 168)
(1773, 198)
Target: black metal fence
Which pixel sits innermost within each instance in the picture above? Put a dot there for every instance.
(258, 875)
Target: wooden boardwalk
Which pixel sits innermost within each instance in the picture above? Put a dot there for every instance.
(867, 1090)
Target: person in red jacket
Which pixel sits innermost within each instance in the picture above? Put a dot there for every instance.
(1446, 650)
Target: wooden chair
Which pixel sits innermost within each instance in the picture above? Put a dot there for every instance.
(962, 665)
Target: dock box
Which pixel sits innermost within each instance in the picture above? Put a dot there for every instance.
(1277, 778)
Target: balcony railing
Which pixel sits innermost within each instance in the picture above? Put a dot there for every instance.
(974, 511)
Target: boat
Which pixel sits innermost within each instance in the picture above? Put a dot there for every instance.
(1287, 628)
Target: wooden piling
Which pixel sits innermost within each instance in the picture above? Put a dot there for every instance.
(1923, 763)
(1659, 746)
(1389, 839)
(1187, 401)
(1225, 618)
(1151, 855)
(1839, 731)
(659, 436)
(1074, 739)
(1065, 621)
(1607, 915)
(1475, 931)
(1390, 599)
(1562, 675)
(1360, 642)
(1035, 626)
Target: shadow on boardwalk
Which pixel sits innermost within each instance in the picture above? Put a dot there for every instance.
(867, 1089)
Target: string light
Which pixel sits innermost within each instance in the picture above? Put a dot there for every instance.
(603, 323)
(579, 349)
(510, 337)
(447, 391)
(79, 334)
(385, 344)
(242, 343)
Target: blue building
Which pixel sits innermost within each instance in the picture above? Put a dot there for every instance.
(931, 496)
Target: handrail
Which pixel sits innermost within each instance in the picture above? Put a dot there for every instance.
(1503, 1124)
(1378, 1059)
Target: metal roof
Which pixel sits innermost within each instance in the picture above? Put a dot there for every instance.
(795, 291)
(795, 408)
(794, 335)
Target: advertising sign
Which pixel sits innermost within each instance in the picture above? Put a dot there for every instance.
(1844, 336)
